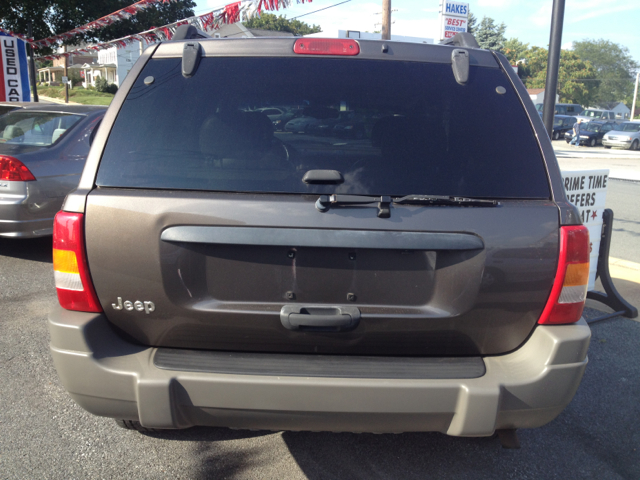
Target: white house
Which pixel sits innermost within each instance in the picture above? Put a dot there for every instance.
(117, 62)
(622, 111)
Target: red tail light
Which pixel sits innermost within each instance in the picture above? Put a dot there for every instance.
(569, 290)
(326, 46)
(13, 169)
(73, 282)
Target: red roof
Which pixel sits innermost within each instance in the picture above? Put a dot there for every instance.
(535, 91)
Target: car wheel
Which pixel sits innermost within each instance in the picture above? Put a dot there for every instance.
(635, 145)
(593, 142)
(568, 140)
(606, 147)
(556, 135)
(133, 425)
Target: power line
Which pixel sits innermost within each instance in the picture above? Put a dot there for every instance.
(325, 8)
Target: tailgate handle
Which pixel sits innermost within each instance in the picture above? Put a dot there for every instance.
(319, 318)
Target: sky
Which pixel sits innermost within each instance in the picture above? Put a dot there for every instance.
(528, 21)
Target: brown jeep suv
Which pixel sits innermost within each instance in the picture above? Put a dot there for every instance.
(427, 274)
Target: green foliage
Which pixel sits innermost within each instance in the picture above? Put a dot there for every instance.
(52, 17)
(102, 85)
(472, 23)
(74, 77)
(515, 50)
(270, 21)
(577, 79)
(490, 35)
(615, 67)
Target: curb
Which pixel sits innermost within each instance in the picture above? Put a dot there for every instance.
(57, 100)
(624, 270)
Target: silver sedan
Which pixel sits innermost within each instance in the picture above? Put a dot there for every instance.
(42, 153)
(625, 136)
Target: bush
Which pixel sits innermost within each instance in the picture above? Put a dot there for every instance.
(102, 85)
(75, 78)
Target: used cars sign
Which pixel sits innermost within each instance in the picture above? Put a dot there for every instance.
(14, 79)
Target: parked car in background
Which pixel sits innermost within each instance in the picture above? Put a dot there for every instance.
(562, 108)
(6, 107)
(279, 116)
(302, 124)
(42, 153)
(327, 126)
(594, 114)
(562, 124)
(350, 127)
(591, 133)
(626, 136)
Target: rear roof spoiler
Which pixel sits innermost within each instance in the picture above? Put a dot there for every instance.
(463, 39)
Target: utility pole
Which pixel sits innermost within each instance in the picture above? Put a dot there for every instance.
(635, 95)
(386, 19)
(553, 64)
(32, 64)
(66, 85)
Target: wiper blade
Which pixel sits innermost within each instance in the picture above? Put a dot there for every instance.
(445, 200)
(325, 202)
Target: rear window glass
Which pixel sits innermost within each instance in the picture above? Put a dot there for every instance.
(35, 128)
(390, 128)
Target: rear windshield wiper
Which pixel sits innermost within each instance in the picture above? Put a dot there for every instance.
(445, 200)
(325, 202)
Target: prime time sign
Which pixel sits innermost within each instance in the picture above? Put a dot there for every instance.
(453, 18)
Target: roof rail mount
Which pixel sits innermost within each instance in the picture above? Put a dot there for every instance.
(462, 39)
(188, 32)
(460, 65)
(191, 55)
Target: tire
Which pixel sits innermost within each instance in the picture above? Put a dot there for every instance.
(556, 135)
(606, 146)
(133, 425)
(568, 141)
(592, 142)
(635, 145)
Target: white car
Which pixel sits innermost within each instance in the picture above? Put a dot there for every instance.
(596, 114)
(625, 136)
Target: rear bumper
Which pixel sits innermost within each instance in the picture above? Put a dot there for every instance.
(21, 217)
(110, 377)
(616, 143)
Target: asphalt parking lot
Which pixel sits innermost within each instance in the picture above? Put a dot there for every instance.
(45, 435)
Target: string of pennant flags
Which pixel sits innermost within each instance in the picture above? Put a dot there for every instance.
(122, 14)
(231, 13)
(17, 35)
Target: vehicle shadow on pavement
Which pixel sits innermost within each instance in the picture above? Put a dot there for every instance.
(597, 436)
(36, 249)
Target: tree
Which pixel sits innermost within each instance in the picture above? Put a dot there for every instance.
(490, 35)
(515, 50)
(53, 17)
(577, 79)
(471, 23)
(270, 21)
(615, 67)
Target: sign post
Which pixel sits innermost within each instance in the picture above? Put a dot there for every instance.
(453, 18)
(14, 74)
